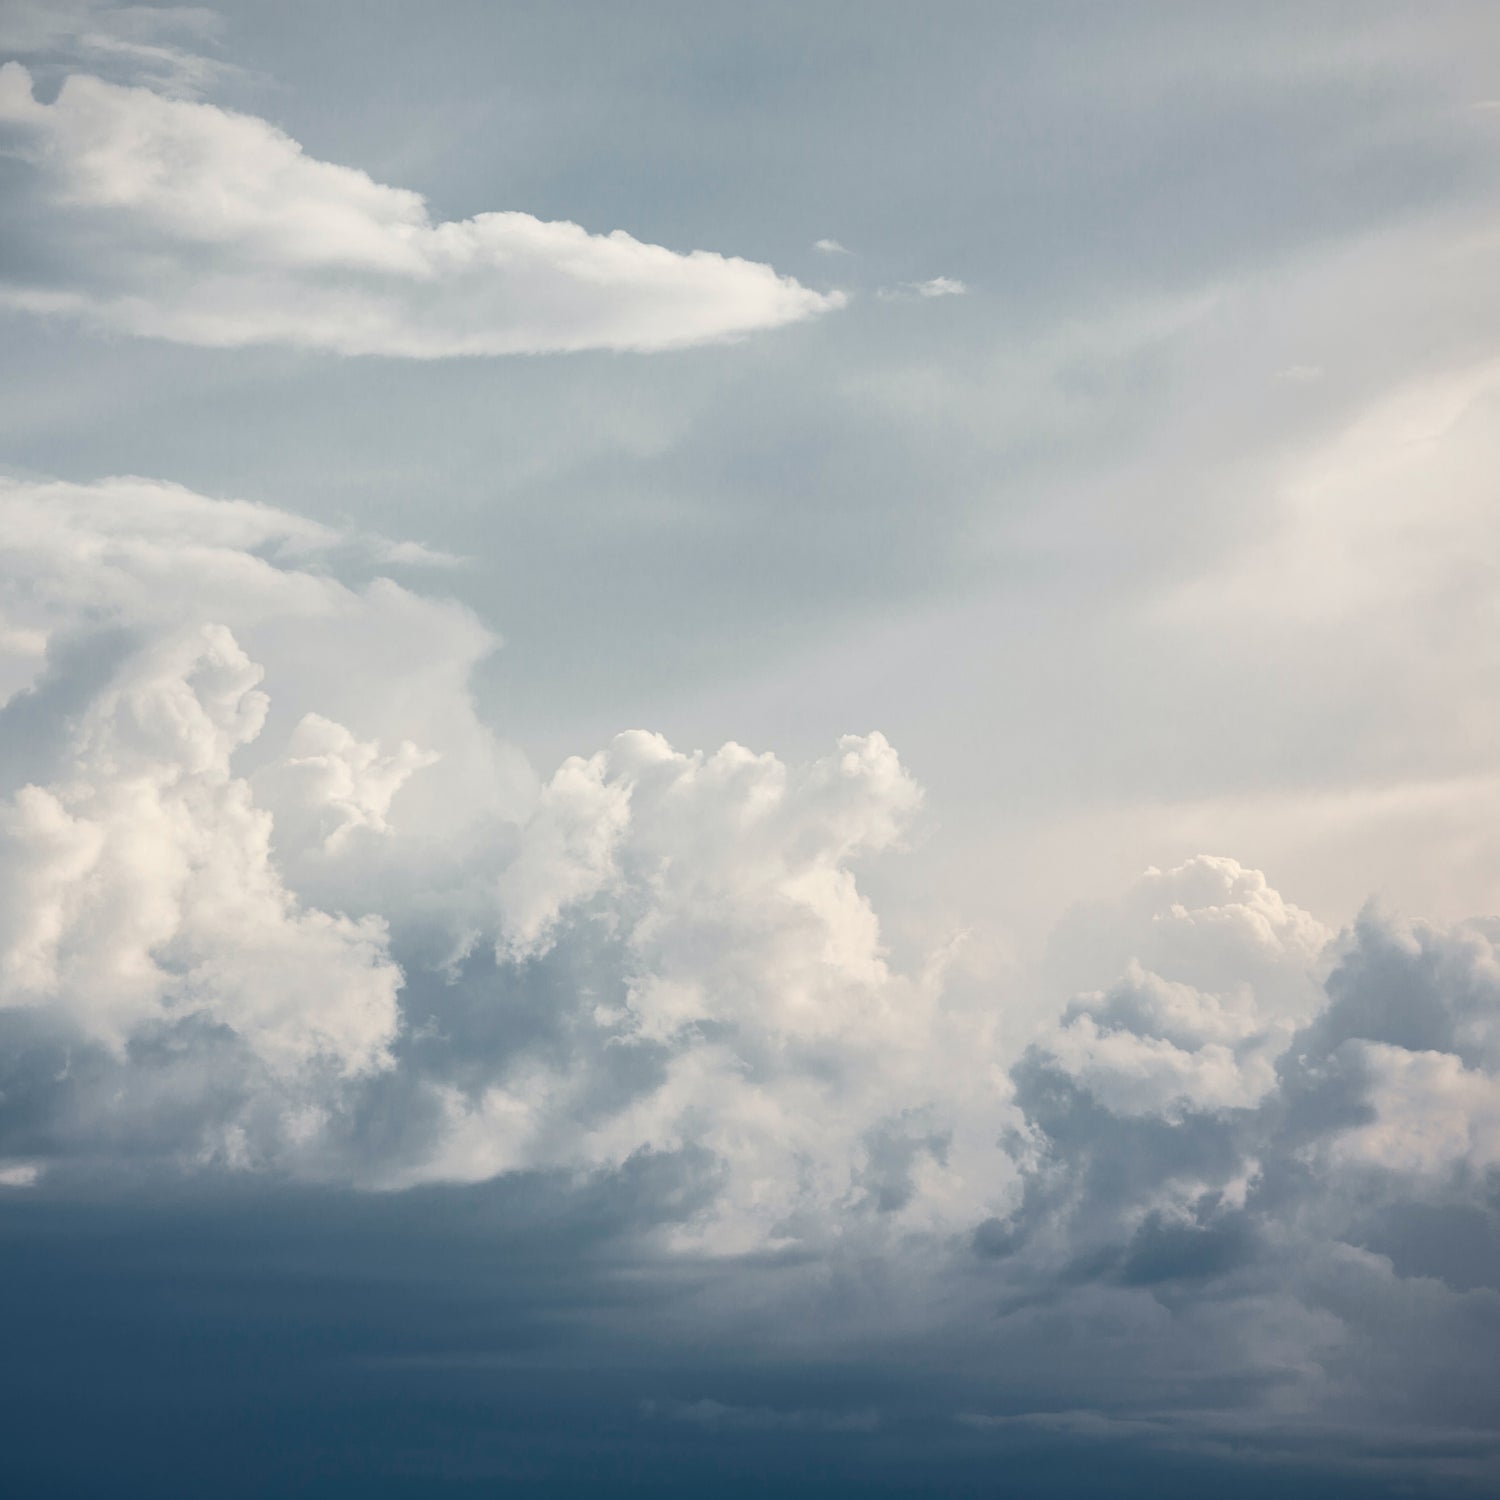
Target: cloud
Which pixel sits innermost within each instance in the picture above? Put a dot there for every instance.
(155, 800)
(940, 286)
(1290, 1211)
(829, 247)
(249, 800)
(276, 901)
(726, 989)
(921, 291)
(128, 559)
(717, 1414)
(214, 228)
(141, 890)
(142, 43)
(1380, 512)
(1430, 1113)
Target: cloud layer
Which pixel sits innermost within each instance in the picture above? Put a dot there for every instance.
(214, 228)
(264, 917)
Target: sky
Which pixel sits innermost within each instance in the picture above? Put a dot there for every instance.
(749, 748)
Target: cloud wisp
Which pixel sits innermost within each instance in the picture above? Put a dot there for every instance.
(924, 291)
(213, 228)
(161, 47)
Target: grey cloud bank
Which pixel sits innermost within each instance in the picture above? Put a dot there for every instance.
(423, 1071)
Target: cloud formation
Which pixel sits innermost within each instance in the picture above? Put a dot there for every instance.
(214, 228)
(141, 889)
(248, 800)
(736, 985)
(264, 917)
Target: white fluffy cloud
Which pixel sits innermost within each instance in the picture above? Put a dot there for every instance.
(141, 889)
(1218, 973)
(141, 558)
(155, 796)
(271, 895)
(216, 228)
(247, 799)
(1431, 1113)
(737, 952)
(247, 794)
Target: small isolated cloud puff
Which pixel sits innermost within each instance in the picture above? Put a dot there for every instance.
(214, 228)
(921, 291)
(829, 247)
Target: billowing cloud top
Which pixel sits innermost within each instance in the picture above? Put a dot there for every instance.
(262, 915)
(215, 228)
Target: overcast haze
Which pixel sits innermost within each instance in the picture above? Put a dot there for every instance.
(750, 747)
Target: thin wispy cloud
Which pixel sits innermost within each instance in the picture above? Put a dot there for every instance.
(920, 291)
(175, 50)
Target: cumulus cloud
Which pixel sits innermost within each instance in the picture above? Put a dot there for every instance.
(275, 897)
(88, 569)
(141, 888)
(1430, 1113)
(248, 796)
(158, 801)
(1316, 1214)
(736, 962)
(215, 228)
